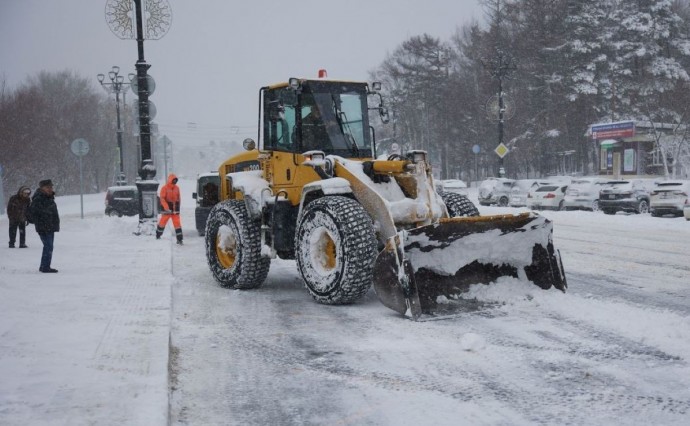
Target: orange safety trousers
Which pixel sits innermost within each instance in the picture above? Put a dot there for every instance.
(166, 217)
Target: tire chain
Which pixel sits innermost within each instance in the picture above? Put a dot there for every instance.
(255, 270)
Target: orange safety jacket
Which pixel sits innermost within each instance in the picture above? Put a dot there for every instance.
(170, 196)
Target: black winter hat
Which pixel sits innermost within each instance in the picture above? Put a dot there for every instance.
(46, 182)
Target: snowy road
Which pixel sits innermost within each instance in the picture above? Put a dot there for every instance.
(613, 350)
(90, 345)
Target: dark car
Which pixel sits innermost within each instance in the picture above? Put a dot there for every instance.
(122, 201)
(207, 195)
(630, 195)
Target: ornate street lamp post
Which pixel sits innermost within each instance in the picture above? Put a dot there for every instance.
(140, 20)
(501, 67)
(117, 86)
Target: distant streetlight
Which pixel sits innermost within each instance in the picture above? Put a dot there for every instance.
(117, 85)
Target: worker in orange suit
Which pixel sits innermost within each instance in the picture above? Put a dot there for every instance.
(170, 201)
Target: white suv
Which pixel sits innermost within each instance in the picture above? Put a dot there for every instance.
(583, 193)
(522, 187)
(495, 191)
(669, 197)
(455, 186)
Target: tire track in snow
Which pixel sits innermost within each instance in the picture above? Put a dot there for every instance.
(611, 288)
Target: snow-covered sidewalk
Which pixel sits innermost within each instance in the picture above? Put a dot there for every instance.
(88, 345)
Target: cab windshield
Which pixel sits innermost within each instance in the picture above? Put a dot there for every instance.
(328, 116)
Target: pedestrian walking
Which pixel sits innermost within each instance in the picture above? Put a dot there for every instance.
(43, 213)
(16, 213)
(170, 200)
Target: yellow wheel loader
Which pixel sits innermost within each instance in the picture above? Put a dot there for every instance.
(313, 191)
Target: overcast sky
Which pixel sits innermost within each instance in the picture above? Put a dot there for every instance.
(209, 66)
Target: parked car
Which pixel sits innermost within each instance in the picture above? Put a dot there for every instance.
(520, 189)
(583, 193)
(561, 179)
(632, 195)
(455, 186)
(547, 197)
(122, 201)
(207, 195)
(495, 191)
(669, 197)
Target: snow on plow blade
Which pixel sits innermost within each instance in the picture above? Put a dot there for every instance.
(445, 258)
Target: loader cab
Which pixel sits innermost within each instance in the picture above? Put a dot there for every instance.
(324, 115)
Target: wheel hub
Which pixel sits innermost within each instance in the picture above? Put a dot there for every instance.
(323, 253)
(226, 247)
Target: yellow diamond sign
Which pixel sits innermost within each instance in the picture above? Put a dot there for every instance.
(501, 150)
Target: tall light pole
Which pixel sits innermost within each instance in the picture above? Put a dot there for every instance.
(117, 85)
(140, 20)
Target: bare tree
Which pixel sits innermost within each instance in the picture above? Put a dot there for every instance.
(38, 122)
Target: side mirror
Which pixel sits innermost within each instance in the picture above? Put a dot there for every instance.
(249, 144)
(194, 195)
(383, 112)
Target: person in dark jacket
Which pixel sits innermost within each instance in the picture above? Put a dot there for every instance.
(16, 213)
(43, 213)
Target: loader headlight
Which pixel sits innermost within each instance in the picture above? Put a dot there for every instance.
(317, 160)
(314, 156)
(417, 156)
(294, 82)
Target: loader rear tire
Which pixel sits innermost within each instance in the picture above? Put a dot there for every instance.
(233, 246)
(459, 205)
(335, 249)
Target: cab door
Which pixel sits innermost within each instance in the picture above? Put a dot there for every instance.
(279, 135)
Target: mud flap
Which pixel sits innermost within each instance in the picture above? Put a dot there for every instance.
(444, 259)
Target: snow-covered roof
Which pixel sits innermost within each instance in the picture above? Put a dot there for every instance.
(122, 188)
(208, 174)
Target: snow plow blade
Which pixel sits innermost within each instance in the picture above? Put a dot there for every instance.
(444, 259)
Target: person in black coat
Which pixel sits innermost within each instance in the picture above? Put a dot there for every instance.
(16, 213)
(43, 213)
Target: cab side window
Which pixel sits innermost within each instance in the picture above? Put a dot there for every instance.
(279, 123)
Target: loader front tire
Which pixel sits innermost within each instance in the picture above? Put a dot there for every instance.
(459, 205)
(233, 246)
(335, 249)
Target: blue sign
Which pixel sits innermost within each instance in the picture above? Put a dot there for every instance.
(621, 129)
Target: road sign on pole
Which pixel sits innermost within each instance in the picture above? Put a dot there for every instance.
(501, 150)
(80, 147)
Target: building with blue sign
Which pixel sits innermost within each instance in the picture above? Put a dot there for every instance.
(629, 148)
